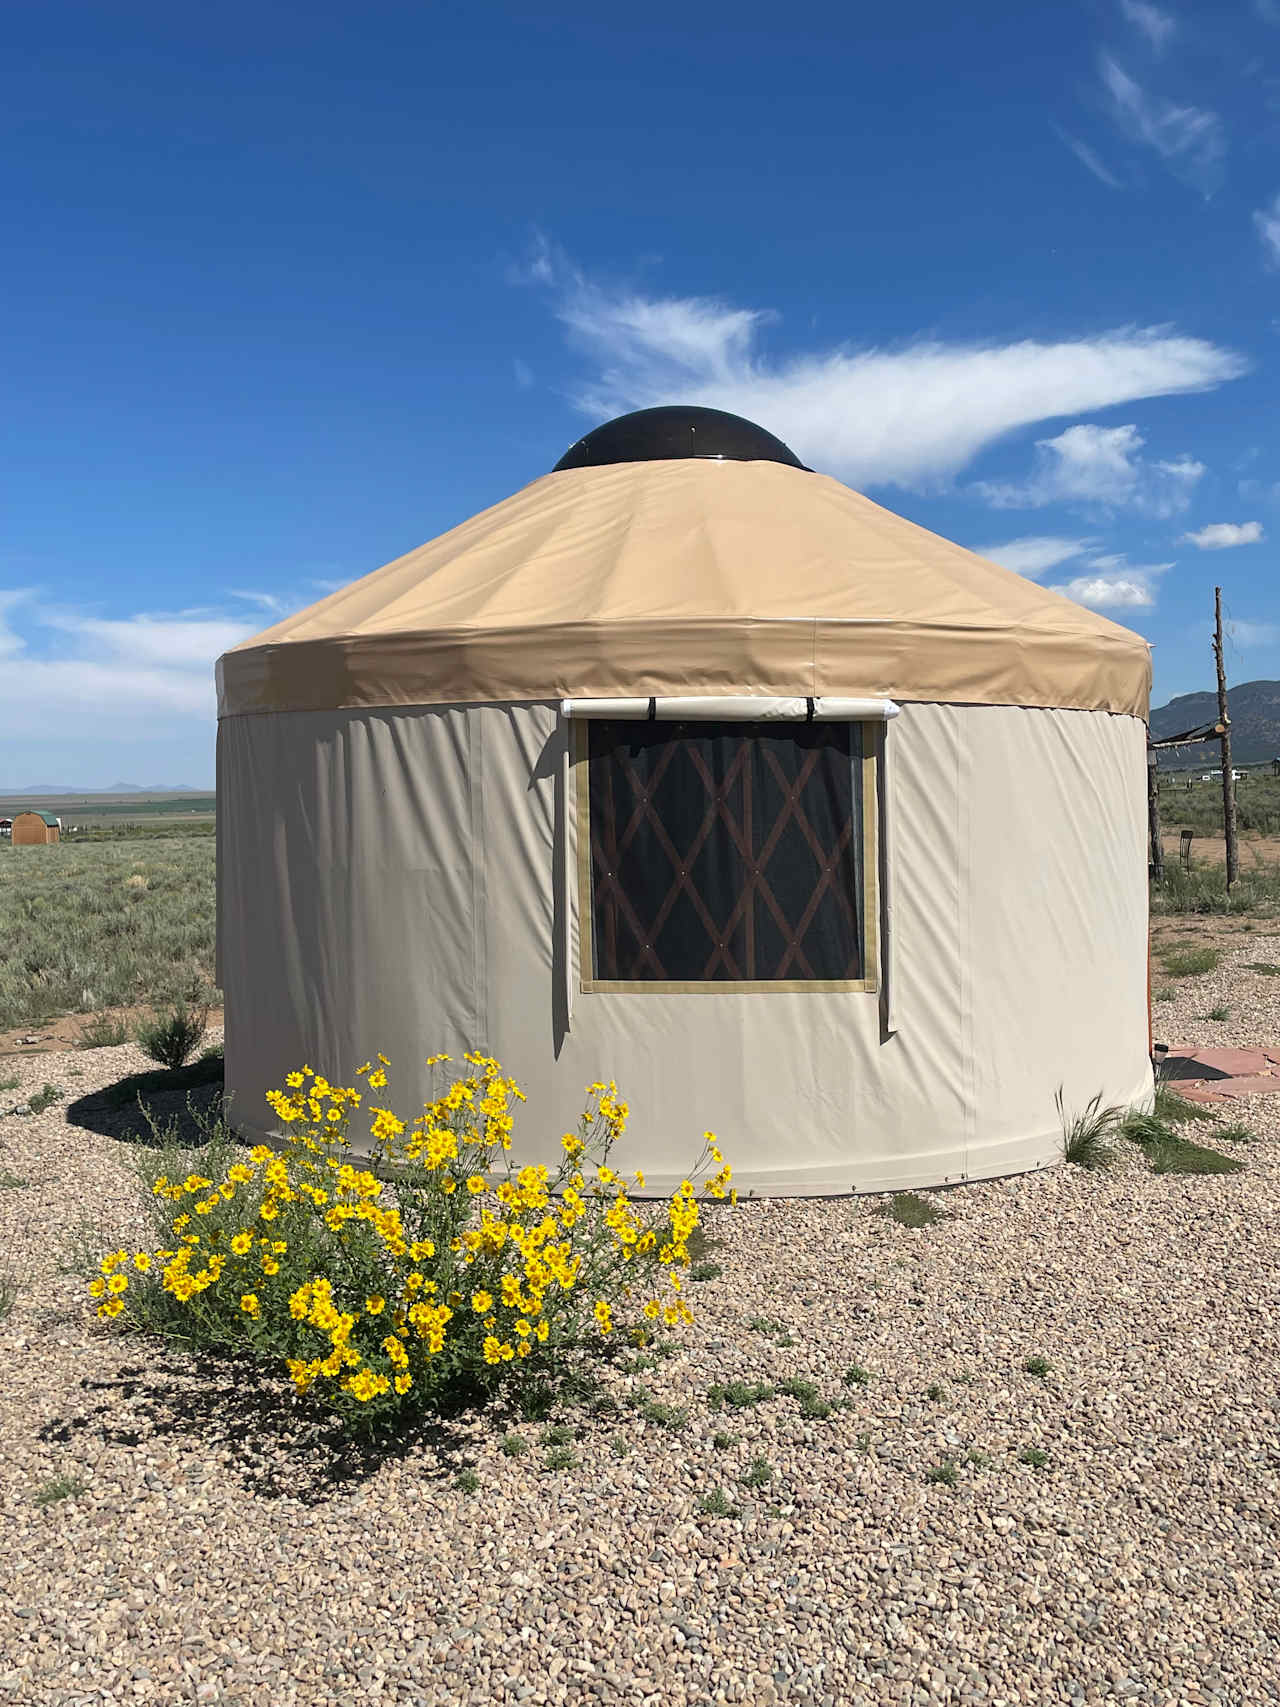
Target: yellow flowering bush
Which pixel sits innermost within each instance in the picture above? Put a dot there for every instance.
(434, 1267)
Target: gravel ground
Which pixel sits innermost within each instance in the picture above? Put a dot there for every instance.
(211, 1556)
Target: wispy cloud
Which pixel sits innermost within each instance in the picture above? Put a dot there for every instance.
(523, 373)
(1100, 467)
(265, 601)
(1253, 636)
(1089, 158)
(1190, 140)
(908, 416)
(1221, 536)
(1266, 222)
(1158, 27)
(1034, 554)
(84, 675)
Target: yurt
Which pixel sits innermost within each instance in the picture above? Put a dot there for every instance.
(692, 768)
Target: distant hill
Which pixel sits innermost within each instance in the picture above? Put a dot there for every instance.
(1255, 724)
(116, 788)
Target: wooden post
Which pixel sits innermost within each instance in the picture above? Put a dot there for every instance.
(1153, 817)
(1228, 785)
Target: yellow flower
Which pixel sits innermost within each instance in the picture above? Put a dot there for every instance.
(270, 1265)
(481, 1303)
(242, 1244)
(404, 1382)
(377, 1080)
(293, 1080)
(375, 1305)
(118, 1283)
(604, 1316)
(112, 1307)
(97, 1288)
(542, 1330)
(142, 1262)
(492, 1350)
(249, 1304)
(476, 1184)
(269, 1210)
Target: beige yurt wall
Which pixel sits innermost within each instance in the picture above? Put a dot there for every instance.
(412, 888)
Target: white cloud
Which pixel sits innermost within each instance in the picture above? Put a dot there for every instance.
(1220, 536)
(1097, 466)
(523, 373)
(72, 676)
(1107, 592)
(1033, 554)
(1253, 636)
(910, 416)
(1158, 27)
(1090, 159)
(1266, 222)
(1190, 140)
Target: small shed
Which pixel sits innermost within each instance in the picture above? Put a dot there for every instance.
(30, 828)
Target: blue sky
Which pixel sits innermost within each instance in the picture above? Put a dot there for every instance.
(290, 290)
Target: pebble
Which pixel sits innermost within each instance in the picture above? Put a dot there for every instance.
(212, 1556)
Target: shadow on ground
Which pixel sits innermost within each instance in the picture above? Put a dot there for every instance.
(248, 1423)
(182, 1103)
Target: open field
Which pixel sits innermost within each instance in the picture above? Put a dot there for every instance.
(1051, 1477)
(90, 812)
(103, 925)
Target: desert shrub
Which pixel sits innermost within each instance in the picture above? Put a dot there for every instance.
(171, 1040)
(428, 1275)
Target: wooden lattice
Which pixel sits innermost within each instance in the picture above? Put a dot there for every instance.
(724, 851)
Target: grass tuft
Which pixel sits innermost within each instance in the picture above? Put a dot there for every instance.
(717, 1504)
(1190, 962)
(738, 1394)
(1034, 1456)
(1037, 1365)
(705, 1271)
(58, 1488)
(513, 1445)
(1085, 1136)
(856, 1376)
(759, 1474)
(102, 1031)
(1219, 1013)
(467, 1481)
(723, 1441)
(43, 1099)
(945, 1474)
(1267, 968)
(909, 1209)
(1175, 1155)
(560, 1458)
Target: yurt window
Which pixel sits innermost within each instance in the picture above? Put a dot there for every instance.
(726, 854)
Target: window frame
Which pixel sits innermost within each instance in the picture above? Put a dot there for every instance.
(871, 734)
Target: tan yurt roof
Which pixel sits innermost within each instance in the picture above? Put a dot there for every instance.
(685, 577)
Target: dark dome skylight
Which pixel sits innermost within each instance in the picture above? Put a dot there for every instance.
(675, 431)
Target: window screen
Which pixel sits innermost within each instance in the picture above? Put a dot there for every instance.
(725, 851)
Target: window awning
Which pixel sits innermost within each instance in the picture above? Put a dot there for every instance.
(728, 708)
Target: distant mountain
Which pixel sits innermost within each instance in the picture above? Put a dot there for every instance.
(116, 788)
(1255, 724)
